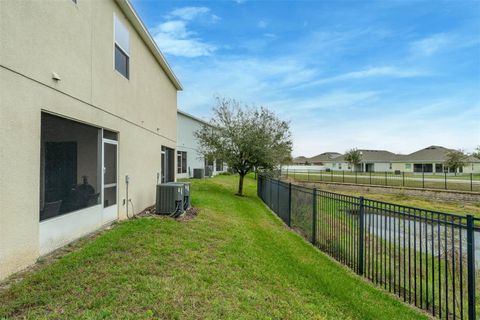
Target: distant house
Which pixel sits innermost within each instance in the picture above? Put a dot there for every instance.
(323, 158)
(301, 160)
(428, 160)
(188, 155)
(372, 160)
(431, 160)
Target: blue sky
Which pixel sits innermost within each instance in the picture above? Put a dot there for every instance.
(395, 75)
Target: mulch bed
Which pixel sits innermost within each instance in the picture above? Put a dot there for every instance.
(189, 214)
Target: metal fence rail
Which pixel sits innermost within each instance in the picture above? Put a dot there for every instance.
(446, 181)
(427, 258)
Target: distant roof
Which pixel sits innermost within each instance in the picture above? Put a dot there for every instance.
(429, 154)
(192, 117)
(326, 156)
(372, 155)
(137, 23)
(300, 159)
(432, 153)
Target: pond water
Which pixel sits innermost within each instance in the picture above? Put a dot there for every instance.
(430, 237)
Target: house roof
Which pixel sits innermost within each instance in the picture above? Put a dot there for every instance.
(300, 159)
(324, 157)
(186, 114)
(147, 38)
(372, 155)
(432, 154)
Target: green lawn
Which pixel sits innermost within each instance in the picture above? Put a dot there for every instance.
(234, 261)
(409, 180)
(455, 207)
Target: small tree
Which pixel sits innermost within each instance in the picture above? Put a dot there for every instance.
(353, 157)
(476, 153)
(455, 160)
(245, 138)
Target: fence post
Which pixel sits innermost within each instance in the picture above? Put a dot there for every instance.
(278, 198)
(423, 176)
(343, 171)
(403, 178)
(445, 180)
(386, 178)
(361, 242)
(370, 177)
(331, 176)
(314, 216)
(258, 186)
(471, 181)
(471, 266)
(290, 204)
(294, 174)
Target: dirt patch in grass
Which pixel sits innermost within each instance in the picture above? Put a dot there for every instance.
(189, 214)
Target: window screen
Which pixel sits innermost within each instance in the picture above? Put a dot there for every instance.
(69, 166)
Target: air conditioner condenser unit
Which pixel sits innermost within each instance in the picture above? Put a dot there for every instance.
(170, 199)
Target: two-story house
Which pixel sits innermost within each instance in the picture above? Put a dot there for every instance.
(88, 122)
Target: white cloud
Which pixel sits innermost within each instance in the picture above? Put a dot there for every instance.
(370, 72)
(191, 13)
(402, 131)
(430, 45)
(262, 24)
(173, 36)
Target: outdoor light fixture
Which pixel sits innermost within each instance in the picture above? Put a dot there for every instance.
(55, 76)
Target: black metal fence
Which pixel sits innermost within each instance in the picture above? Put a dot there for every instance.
(426, 258)
(446, 181)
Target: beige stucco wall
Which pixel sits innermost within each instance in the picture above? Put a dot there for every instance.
(75, 41)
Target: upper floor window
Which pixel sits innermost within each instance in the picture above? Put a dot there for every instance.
(121, 47)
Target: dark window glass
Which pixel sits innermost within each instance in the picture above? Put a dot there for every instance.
(110, 135)
(168, 164)
(121, 62)
(69, 166)
(219, 165)
(181, 162)
(184, 162)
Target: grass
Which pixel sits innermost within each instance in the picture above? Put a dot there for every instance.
(410, 180)
(459, 207)
(234, 261)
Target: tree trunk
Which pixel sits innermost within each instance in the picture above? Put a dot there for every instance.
(240, 185)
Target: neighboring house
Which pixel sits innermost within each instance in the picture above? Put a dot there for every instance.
(188, 155)
(300, 160)
(428, 160)
(372, 161)
(431, 160)
(88, 114)
(323, 158)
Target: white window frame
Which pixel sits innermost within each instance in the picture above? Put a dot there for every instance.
(115, 43)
